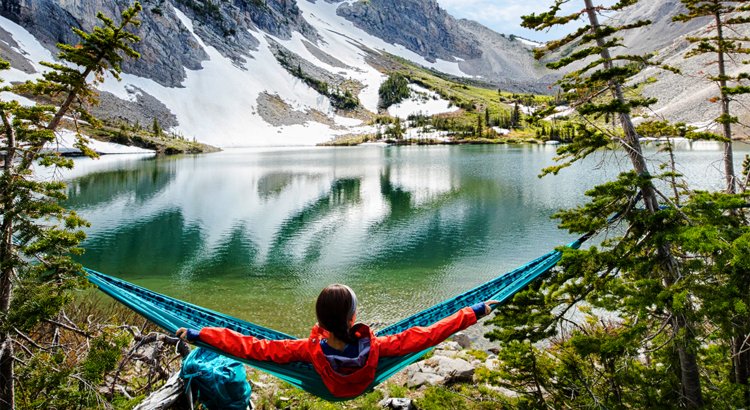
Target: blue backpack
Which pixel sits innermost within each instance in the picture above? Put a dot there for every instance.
(221, 382)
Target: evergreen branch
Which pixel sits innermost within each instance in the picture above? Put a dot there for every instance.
(555, 45)
(580, 55)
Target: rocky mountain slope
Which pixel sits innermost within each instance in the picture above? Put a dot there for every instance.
(661, 32)
(682, 98)
(274, 72)
(225, 73)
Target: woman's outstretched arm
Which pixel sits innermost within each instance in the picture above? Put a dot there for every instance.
(417, 339)
(249, 347)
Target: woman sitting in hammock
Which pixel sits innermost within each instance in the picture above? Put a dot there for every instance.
(345, 354)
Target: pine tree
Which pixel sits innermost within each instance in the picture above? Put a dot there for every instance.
(34, 225)
(587, 274)
(724, 46)
(393, 90)
(487, 116)
(723, 42)
(156, 128)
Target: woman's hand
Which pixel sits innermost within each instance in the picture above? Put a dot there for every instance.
(188, 335)
(488, 308)
(181, 333)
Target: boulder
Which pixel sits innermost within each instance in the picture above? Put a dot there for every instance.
(462, 339)
(424, 379)
(445, 353)
(491, 363)
(398, 404)
(454, 370)
(448, 346)
(438, 369)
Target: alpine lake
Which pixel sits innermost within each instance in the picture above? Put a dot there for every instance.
(257, 233)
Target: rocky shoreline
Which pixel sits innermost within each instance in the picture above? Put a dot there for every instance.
(456, 362)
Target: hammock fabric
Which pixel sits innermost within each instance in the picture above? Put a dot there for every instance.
(172, 314)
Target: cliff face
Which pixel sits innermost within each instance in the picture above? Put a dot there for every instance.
(419, 25)
(167, 48)
(423, 27)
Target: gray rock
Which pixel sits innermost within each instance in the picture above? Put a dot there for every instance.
(454, 370)
(448, 346)
(428, 30)
(439, 369)
(325, 57)
(445, 353)
(398, 404)
(166, 46)
(142, 107)
(462, 339)
(420, 379)
(491, 363)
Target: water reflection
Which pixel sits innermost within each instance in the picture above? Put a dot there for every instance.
(257, 234)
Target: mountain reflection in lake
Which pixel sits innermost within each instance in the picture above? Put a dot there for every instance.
(257, 234)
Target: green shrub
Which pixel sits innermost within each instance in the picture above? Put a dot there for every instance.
(437, 398)
(394, 90)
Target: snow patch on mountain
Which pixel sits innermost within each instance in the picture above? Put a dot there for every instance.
(323, 17)
(66, 140)
(421, 101)
(529, 43)
(218, 103)
(30, 48)
(8, 96)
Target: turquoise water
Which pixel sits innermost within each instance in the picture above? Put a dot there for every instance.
(257, 234)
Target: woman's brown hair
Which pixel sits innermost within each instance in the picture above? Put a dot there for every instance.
(335, 307)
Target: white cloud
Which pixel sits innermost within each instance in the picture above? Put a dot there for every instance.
(504, 16)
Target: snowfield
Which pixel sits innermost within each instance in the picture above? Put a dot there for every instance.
(66, 140)
(217, 104)
(421, 101)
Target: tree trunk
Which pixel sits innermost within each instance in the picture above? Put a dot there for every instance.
(7, 385)
(728, 153)
(690, 374)
(631, 136)
(55, 122)
(741, 364)
(7, 397)
(165, 397)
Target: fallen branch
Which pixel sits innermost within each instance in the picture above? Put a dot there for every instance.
(66, 327)
(166, 396)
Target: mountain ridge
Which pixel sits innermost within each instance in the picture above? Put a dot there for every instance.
(213, 72)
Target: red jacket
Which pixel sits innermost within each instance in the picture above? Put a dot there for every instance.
(308, 350)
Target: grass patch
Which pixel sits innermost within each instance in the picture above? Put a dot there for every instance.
(479, 354)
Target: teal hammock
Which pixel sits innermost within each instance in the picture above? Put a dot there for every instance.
(171, 314)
